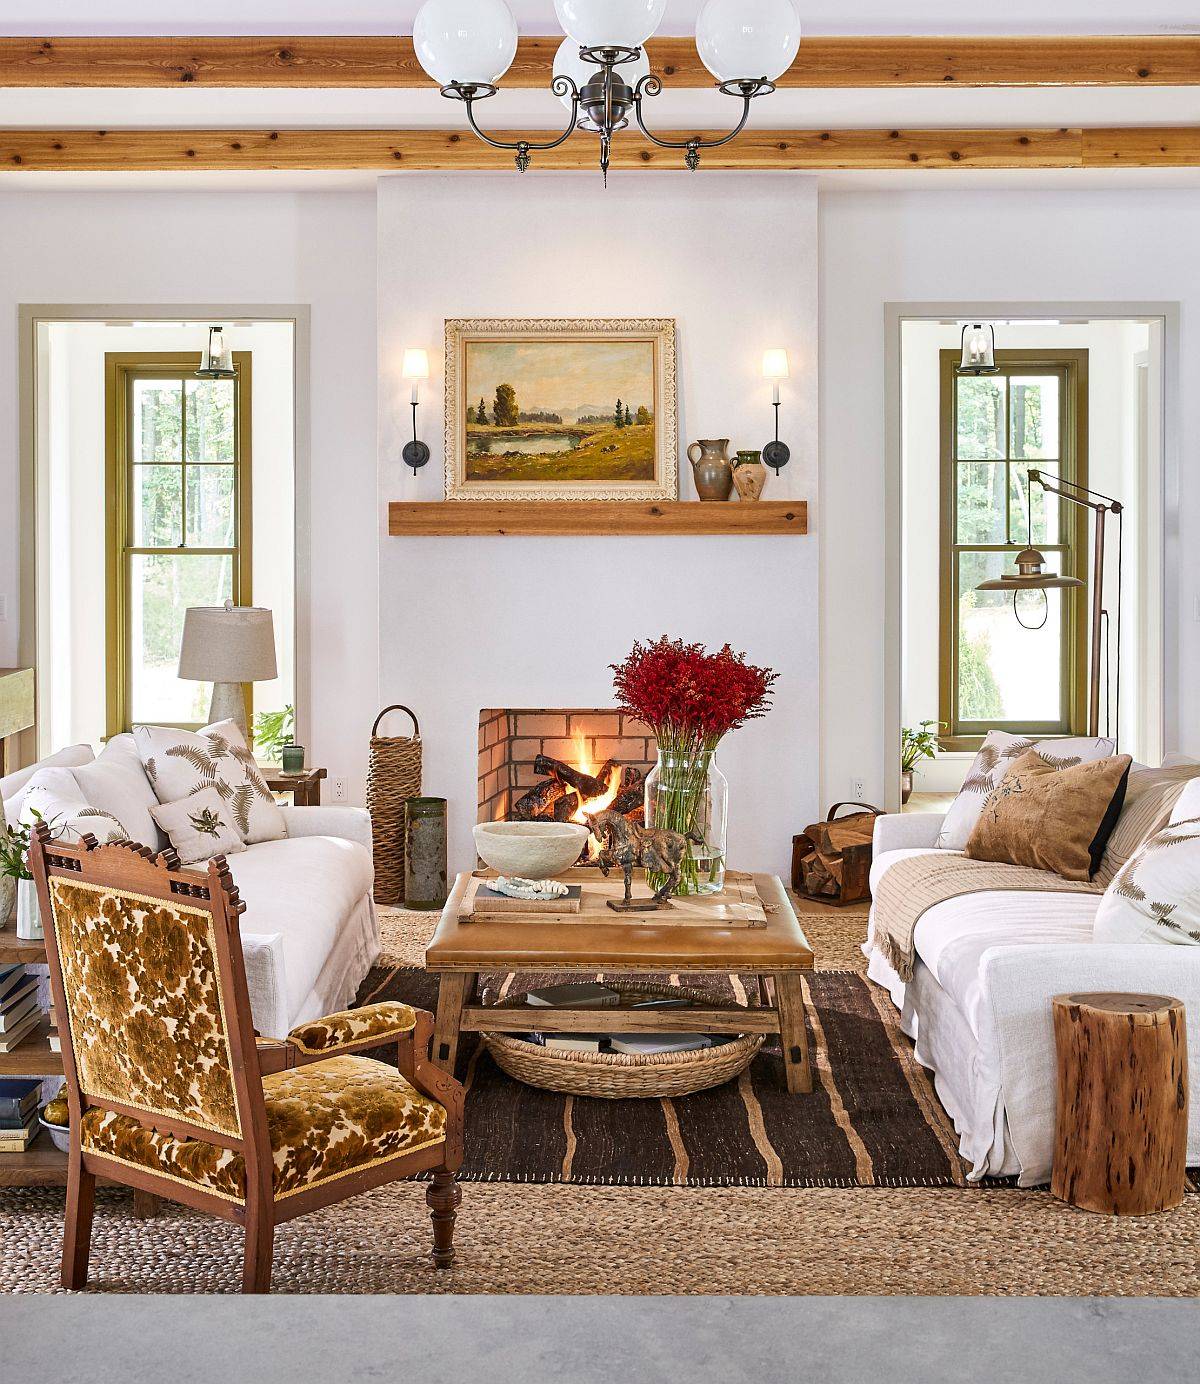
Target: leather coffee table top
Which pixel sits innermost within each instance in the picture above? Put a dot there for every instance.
(630, 943)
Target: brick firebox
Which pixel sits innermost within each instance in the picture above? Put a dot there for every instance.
(511, 738)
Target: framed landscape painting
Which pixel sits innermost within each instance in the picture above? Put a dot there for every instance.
(561, 409)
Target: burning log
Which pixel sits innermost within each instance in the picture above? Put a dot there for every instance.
(585, 785)
(542, 801)
(566, 807)
(631, 793)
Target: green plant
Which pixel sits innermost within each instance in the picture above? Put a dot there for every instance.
(917, 745)
(273, 730)
(14, 846)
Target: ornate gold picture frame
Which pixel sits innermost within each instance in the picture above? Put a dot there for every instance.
(561, 409)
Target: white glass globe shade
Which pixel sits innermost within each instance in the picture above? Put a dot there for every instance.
(465, 40)
(568, 63)
(748, 38)
(620, 23)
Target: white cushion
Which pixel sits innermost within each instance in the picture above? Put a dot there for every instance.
(117, 783)
(304, 889)
(54, 797)
(199, 826)
(1187, 805)
(180, 762)
(12, 787)
(1155, 896)
(996, 756)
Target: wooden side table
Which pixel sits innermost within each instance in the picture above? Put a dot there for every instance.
(1120, 1145)
(305, 787)
(460, 952)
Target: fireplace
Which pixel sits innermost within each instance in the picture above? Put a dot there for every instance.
(542, 762)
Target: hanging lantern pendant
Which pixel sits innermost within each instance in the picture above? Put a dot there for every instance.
(216, 363)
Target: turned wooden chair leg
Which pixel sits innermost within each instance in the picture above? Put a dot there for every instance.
(260, 1247)
(443, 1196)
(77, 1235)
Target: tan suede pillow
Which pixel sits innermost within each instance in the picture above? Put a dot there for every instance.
(1052, 819)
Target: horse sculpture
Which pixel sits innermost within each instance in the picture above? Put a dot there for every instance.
(625, 844)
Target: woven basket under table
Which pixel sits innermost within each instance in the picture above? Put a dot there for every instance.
(618, 1075)
(393, 776)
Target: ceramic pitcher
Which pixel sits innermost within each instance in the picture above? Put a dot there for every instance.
(710, 466)
(749, 475)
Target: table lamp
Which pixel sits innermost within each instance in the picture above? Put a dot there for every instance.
(228, 646)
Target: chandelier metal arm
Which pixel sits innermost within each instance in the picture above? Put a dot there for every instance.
(651, 86)
(469, 94)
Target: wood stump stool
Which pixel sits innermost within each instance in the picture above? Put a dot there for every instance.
(1120, 1144)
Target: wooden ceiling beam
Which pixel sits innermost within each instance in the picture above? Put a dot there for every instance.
(382, 61)
(125, 150)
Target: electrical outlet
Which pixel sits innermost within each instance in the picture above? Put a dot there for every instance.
(339, 790)
(858, 790)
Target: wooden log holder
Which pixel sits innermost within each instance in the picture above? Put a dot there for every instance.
(1120, 1144)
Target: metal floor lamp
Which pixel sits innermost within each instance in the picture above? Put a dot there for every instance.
(1031, 576)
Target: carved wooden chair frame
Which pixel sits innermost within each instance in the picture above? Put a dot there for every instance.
(136, 869)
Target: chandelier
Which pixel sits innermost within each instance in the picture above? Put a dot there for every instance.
(601, 73)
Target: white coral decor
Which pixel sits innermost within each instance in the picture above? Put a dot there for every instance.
(529, 888)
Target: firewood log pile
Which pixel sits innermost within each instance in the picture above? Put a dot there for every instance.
(565, 790)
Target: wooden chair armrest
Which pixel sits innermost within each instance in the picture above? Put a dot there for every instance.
(274, 1054)
(352, 1030)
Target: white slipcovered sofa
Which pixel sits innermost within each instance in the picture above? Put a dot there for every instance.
(978, 1005)
(309, 932)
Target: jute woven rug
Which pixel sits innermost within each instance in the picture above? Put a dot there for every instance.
(561, 1238)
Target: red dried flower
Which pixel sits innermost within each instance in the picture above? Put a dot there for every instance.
(687, 694)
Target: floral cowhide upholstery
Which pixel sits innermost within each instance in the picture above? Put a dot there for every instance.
(389, 1019)
(326, 1120)
(144, 1002)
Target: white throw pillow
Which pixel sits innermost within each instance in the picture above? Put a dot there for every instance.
(1187, 805)
(54, 797)
(180, 762)
(117, 783)
(200, 826)
(996, 756)
(1155, 896)
(12, 788)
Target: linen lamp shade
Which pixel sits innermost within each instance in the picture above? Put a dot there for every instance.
(228, 644)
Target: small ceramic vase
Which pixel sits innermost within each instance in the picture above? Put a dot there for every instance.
(29, 915)
(292, 759)
(710, 466)
(749, 475)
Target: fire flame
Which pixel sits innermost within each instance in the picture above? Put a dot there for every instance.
(586, 765)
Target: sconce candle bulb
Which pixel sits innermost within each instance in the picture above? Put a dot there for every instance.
(775, 367)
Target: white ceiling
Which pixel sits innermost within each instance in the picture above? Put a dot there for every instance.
(537, 16)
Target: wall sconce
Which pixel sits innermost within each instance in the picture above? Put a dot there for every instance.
(415, 368)
(775, 368)
(978, 349)
(216, 363)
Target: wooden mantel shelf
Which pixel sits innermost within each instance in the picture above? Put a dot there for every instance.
(471, 518)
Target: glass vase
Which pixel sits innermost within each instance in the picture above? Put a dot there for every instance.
(688, 794)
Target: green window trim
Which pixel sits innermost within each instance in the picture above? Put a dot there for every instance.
(1068, 555)
(121, 372)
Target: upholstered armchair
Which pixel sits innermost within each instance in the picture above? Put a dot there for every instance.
(172, 1093)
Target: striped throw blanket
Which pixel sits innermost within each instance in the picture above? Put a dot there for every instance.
(913, 886)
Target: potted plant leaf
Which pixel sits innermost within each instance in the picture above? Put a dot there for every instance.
(916, 746)
(14, 872)
(273, 730)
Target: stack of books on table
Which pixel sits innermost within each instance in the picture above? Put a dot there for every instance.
(593, 995)
(18, 1112)
(19, 1012)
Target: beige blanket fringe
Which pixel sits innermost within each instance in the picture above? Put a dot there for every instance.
(913, 886)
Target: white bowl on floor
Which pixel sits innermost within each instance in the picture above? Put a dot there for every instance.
(530, 850)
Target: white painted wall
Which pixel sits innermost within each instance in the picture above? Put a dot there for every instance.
(536, 622)
(255, 248)
(1052, 247)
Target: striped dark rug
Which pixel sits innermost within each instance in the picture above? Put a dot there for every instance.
(871, 1120)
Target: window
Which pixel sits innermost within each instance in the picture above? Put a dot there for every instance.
(178, 484)
(995, 429)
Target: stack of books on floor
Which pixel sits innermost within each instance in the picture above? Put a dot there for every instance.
(593, 995)
(18, 1112)
(19, 1012)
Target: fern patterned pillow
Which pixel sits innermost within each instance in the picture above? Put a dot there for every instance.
(199, 827)
(998, 753)
(179, 763)
(1156, 895)
(53, 797)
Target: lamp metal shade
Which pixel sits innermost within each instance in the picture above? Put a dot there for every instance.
(1029, 576)
(228, 644)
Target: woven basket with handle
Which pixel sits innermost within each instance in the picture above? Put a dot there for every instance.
(394, 774)
(618, 1075)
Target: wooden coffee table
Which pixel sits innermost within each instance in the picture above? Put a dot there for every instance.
(779, 952)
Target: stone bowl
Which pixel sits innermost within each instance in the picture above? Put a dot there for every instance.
(530, 850)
